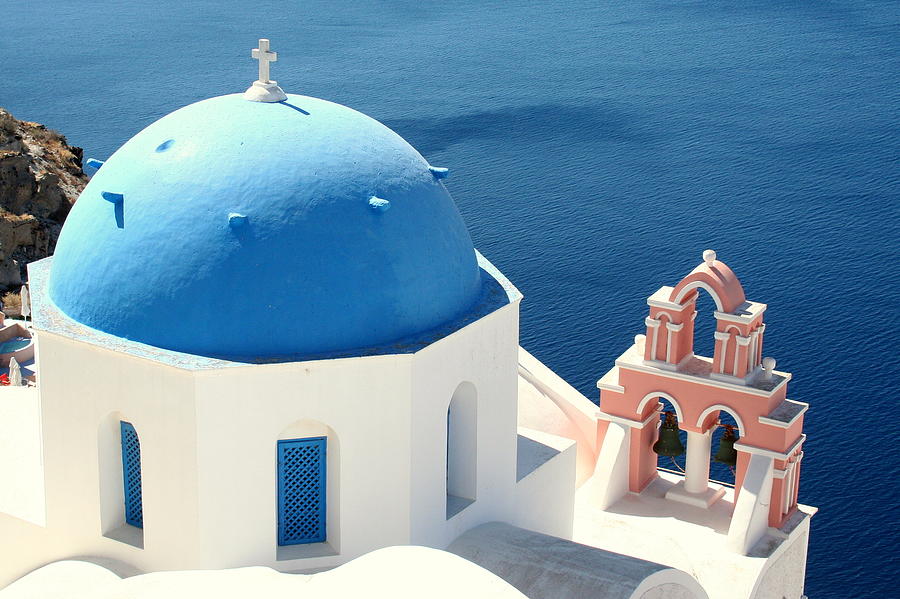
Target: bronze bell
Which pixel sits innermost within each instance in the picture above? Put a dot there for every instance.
(727, 454)
(668, 443)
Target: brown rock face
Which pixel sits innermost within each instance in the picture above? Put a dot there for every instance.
(40, 178)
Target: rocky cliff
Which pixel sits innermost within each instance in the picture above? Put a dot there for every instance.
(40, 177)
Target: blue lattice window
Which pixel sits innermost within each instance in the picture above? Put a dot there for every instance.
(131, 475)
(301, 491)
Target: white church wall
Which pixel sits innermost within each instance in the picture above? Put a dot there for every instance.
(610, 480)
(483, 355)
(551, 404)
(21, 470)
(784, 573)
(544, 498)
(360, 404)
(85, 391)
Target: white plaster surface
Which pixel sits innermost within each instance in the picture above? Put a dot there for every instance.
(668, 590)
(544, 498)
(21, 467)
(708, 495)
(784, 574)
(610, 480)
(545, 567)
(751, 514)
(548, 403)
(394, 573)
(532, 453)
(697, 462)
(685, 537)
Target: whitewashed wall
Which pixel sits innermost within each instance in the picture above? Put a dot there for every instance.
(85, 391)
(360, 404)
(485, 355)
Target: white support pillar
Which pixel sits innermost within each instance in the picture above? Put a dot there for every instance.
(695, 489)
(721, 348)
(696, 478)
(759, 342)
(653, 324)
(751, 355)
(750, 519)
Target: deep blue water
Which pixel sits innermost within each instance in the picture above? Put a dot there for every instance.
(596, 150)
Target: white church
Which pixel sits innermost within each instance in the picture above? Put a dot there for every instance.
(268, 360)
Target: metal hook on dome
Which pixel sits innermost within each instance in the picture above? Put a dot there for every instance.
(439, 172)
(379, 204)
(237, 221)
(112, 198)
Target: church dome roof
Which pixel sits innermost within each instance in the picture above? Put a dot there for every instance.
(242, 229)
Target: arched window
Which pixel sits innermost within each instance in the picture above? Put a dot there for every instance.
(120, 478)
(462, 449)
(704, 342)
(666, 463)
(301, 490)
(131, 475)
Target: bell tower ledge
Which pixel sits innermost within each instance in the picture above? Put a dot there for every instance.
(698, 370)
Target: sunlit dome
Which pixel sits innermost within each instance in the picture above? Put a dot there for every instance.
(238, 228)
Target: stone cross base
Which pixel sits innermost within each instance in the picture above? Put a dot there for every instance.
(265, 92)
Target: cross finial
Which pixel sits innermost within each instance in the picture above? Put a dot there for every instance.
(264, 56)
(264, 89)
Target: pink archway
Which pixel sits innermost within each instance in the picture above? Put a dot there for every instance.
(716, 278)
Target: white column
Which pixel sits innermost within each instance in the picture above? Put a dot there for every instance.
(759, 343)
(653, 323)
(751, 355)
(696, 478)
(721, 348)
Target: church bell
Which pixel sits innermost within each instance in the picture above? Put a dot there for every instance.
(668, 443)
(727, 454)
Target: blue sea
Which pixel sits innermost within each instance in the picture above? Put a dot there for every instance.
(597, 148)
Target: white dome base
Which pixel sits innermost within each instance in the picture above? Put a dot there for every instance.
(265, 92)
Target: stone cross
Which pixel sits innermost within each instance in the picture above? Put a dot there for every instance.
(264, 56)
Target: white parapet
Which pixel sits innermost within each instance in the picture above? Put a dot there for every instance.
(751, 513)
(610, 480)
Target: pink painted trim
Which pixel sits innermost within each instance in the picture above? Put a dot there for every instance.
(719, 280)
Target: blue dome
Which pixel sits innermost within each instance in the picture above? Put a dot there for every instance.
(242, 229)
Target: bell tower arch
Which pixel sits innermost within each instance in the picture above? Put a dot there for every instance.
(765, 444)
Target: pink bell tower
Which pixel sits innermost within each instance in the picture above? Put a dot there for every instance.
(736, 380)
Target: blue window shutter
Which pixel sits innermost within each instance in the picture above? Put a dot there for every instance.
(131, 475)
(301, 491)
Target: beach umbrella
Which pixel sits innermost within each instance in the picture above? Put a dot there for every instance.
(15, 373)
(25, 301)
